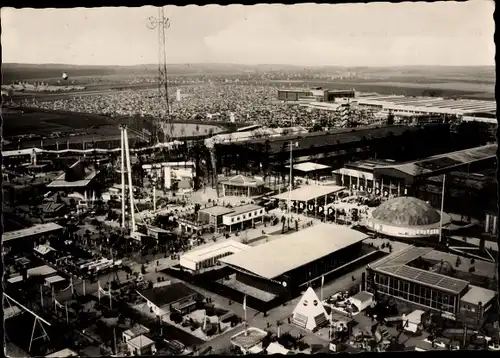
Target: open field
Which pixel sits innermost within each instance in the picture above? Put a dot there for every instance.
(76, 128)
(452, 79)
(105, 74)
(43, 123)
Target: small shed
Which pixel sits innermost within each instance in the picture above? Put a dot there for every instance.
(141, 345)
(133, 332)
(54, 280)
(44, 270)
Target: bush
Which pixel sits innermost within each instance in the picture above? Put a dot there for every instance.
(220, 312)
(303, 345)
(211, 329)
(176, 317)
(210, 311)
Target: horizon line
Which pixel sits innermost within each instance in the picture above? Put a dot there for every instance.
(233, 64)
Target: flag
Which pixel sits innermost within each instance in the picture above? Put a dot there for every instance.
(103, 291)
(245, 303)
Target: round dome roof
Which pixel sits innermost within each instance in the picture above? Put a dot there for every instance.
(406, 211)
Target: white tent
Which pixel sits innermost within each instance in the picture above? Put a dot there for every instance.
(361, 300)
(413, 321)
(309, 312)
(256, 349)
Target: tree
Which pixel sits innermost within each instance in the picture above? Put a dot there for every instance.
(390, 119)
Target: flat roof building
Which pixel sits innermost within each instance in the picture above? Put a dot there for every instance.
(296, 258)
(399, 275)
(209, 256)
(174, 297)
(81, 179)
(310, 198)
(427, 105)
(213, 216)
(18, 239)
(310, 170)
(44, 270)
(469, 159)
(309, 193)
(243, 216)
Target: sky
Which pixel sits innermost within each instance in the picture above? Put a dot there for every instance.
(377, 34)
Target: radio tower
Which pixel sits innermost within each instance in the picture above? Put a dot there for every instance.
(162, 23)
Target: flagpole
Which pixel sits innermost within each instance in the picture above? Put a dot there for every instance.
(326, 203)
(245, 311)
(114, 340)
(442, 209)
(72, 288)
(322, 283)
(99, 290)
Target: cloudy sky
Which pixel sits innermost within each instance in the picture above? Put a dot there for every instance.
(383, 34)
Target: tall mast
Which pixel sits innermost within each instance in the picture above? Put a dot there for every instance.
(162, 23)
(123, 174)
(129, 175)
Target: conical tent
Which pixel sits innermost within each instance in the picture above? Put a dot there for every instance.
(309, 312)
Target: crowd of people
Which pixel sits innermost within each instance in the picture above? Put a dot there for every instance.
(209, 102)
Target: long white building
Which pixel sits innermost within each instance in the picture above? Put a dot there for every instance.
(478, 109)
(209, 256)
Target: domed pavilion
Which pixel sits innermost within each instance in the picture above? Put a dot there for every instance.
(406, 217)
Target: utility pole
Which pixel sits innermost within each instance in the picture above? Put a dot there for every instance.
(162, 23)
